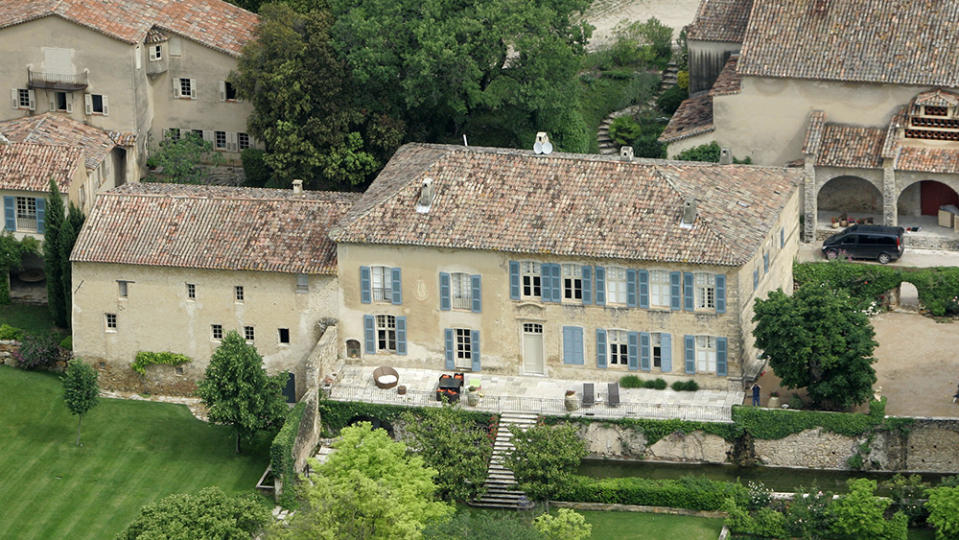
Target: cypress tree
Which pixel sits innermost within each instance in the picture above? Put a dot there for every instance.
(51, 254)
(68, 236)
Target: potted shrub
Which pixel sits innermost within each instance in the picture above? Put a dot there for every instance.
(571, 401)
(773, 402)
(835, 222)
(472, 396)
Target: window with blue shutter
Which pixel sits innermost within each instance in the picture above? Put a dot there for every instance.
(688, 298)
(675, 291)
(587, 285)
(366, 288)
(476, 292)
(782, 237)
(644, 351)
(369, 334)
(631, 286)
(765, 262)
(721, 357)
(689, 345)
(600, 348)
(9, 213)
(720, 293)
(644, 289)
(600, 286)
(445, 304)
(755, 278)
(397, 286)
(666, 350)
(450, 351)
(514, 280)
(475, 350)
(573, 345)
(401, 335)
(632, 350)
(42, 214)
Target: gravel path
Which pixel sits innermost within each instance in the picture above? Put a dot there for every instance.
(606, 14)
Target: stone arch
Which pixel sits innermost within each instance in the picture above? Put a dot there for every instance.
(924, 196)
(849, 193)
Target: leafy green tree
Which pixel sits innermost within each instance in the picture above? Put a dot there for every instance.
(860, 515)
(671, 99)
(255, 170)
(806, 514)
(53, 268)
(943, 508)
(206, 514)
(237, 390)
(370, 488)
(565, 525)
(817, 339)
(455, 446)
(11, 257)
(181, 159)
(469, 524)
(80, 390)
(647, 43)
(709, 153)
(545, 458)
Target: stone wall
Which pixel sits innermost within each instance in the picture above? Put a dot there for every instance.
(611, 441)
(309, 433)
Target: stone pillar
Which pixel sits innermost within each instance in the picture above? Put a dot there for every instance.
(890, 194)
(809, 201)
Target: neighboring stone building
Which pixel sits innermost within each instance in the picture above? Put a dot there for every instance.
(571, 266)
(856, 91)
(161, 267)
(136, 67)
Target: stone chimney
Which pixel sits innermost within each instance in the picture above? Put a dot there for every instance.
(626, 152)
(298, 186)
(689, 214)
(425, 200)
(725, 156)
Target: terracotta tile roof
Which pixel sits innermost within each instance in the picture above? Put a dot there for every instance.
(851, 146)
(937, 98)
(720, 20)
(59, 129)
(29, 167)
(693, 117)
(883, 41)
(930, 160)
(122, 138)
(214, 23)
(569, 204)
(210, 227)
(817, 120)
(893, 132)
(729, 80)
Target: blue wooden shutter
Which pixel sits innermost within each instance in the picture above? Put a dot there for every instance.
(557, 283)
(632, 350)
(666, 350)
(721, 357)
(600, 286)
(690, 353)
(513, 280)
(688, 303)
(401, 335)
(42, 215)
(445, 304)
(600, 348)
(631, 286)
(549, 282)
(675, 291)
(644, 289)
(765, 262)
(9, 213)
(475, 349)
(397, 286)
(644, 350)
(366, 288)
(782, 237)
(476, 293)
(573, 345)
(369, 334)
(755, 278)
(587, 285)
(720, 293)
(448, 335)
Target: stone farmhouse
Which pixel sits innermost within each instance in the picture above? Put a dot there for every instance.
(140, 68)
(860, 93)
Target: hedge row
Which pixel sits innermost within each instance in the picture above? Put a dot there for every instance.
(655, 430)
(281, 451)
(693, 493)
(146, 358)
(336, 415)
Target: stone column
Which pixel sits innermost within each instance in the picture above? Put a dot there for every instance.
(809, 200)
(890, 194)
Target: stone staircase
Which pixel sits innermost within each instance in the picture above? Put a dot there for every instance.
(670, 75)
(606, 144)
(500, 484)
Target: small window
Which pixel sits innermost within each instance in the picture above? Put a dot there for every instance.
(238, 293)
(386, 333)
(96, 104)
(111, 321)
(659, 288)
(25, 99)
(156, 52)
(179, 370)
(242, 141)
(123, 288)
(352, 348)
(464, 344)
(185, 88)
(230, 91)
(616, 285)
(248, 333)
(705, 291)
(60, 101)
(302, 283)
(174, 133)
(26, 214)
(657, 349)
(532, 279)
(382, 281)
(705, 354)
(284, 336)
(198, 133)
(219, 138)
(572, 282)
(462, 291)
(618, 347)
(217, 331)
(191, 291)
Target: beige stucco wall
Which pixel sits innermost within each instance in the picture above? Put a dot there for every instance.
(158, 316)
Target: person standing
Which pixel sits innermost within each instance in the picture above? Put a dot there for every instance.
(756, 390)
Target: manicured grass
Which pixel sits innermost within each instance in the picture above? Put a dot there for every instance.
(33, 319)
(642, 526)
(133, 453)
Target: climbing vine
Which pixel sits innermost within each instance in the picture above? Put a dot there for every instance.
(144, 359)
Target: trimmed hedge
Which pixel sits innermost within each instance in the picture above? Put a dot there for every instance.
(690, 492)
(281, 451)
(655, 430)
(336, 415)
(145, 358)
(778, 423)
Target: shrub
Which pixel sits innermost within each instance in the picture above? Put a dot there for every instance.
(907, 493)
(704, 152)
(632, 381)
(694, 493)
(795, 402)
(203, 515)
(860, 514)
(685, 386)
(565, 525)
(8, 332)
(806, 513)
(777, 423)
(759, 495)
(682, 80)
(943, 508)
(658, 384)
(144, 359)
(624, 130)
(255, 170)
(765, 522)
(544, 458)
(38, 352)
(67, 343)
(669, 101)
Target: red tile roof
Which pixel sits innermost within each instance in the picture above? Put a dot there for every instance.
(720, 20)
(570, 204)
(693, 117)
(930, 160)
(29, 167)
(224, 228)
(851, 146)
(729, 80)
(881, 41)
(214, 23)
(59, 129)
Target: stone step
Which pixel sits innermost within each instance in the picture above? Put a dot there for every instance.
(503, 482)
(505, 498)
(522, 415)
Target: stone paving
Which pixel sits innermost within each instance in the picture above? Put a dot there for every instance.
(539, 395)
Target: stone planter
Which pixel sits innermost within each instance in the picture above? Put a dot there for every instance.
(472, 399)
(571, 402)
(773, 402)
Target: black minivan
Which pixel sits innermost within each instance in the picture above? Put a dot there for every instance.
(877, 242)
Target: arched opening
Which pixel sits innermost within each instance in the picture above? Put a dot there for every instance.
(28, 282)
(850, 194)
(933, 195)
(352, 348)
(908, 296)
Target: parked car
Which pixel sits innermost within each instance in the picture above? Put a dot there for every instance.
(878, 242)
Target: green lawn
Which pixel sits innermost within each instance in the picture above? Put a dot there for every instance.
(33, 319)
(643, 526)
(133, 453)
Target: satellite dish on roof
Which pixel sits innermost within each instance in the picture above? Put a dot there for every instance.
(542, 144)
(538, 147)
(547, 147)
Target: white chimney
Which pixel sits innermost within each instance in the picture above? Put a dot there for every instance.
(542, 144)
(725, 157)
(426, 196)
(298, 186)
(689, 214)
(626, 152)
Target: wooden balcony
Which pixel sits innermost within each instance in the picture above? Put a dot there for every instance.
(57, 81)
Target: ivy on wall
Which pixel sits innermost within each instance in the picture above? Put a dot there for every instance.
(144, 359)
(281, 451)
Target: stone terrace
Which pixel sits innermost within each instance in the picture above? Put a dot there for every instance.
(538, 395)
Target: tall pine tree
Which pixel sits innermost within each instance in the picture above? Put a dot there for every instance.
(51, 255)
(68, 235)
